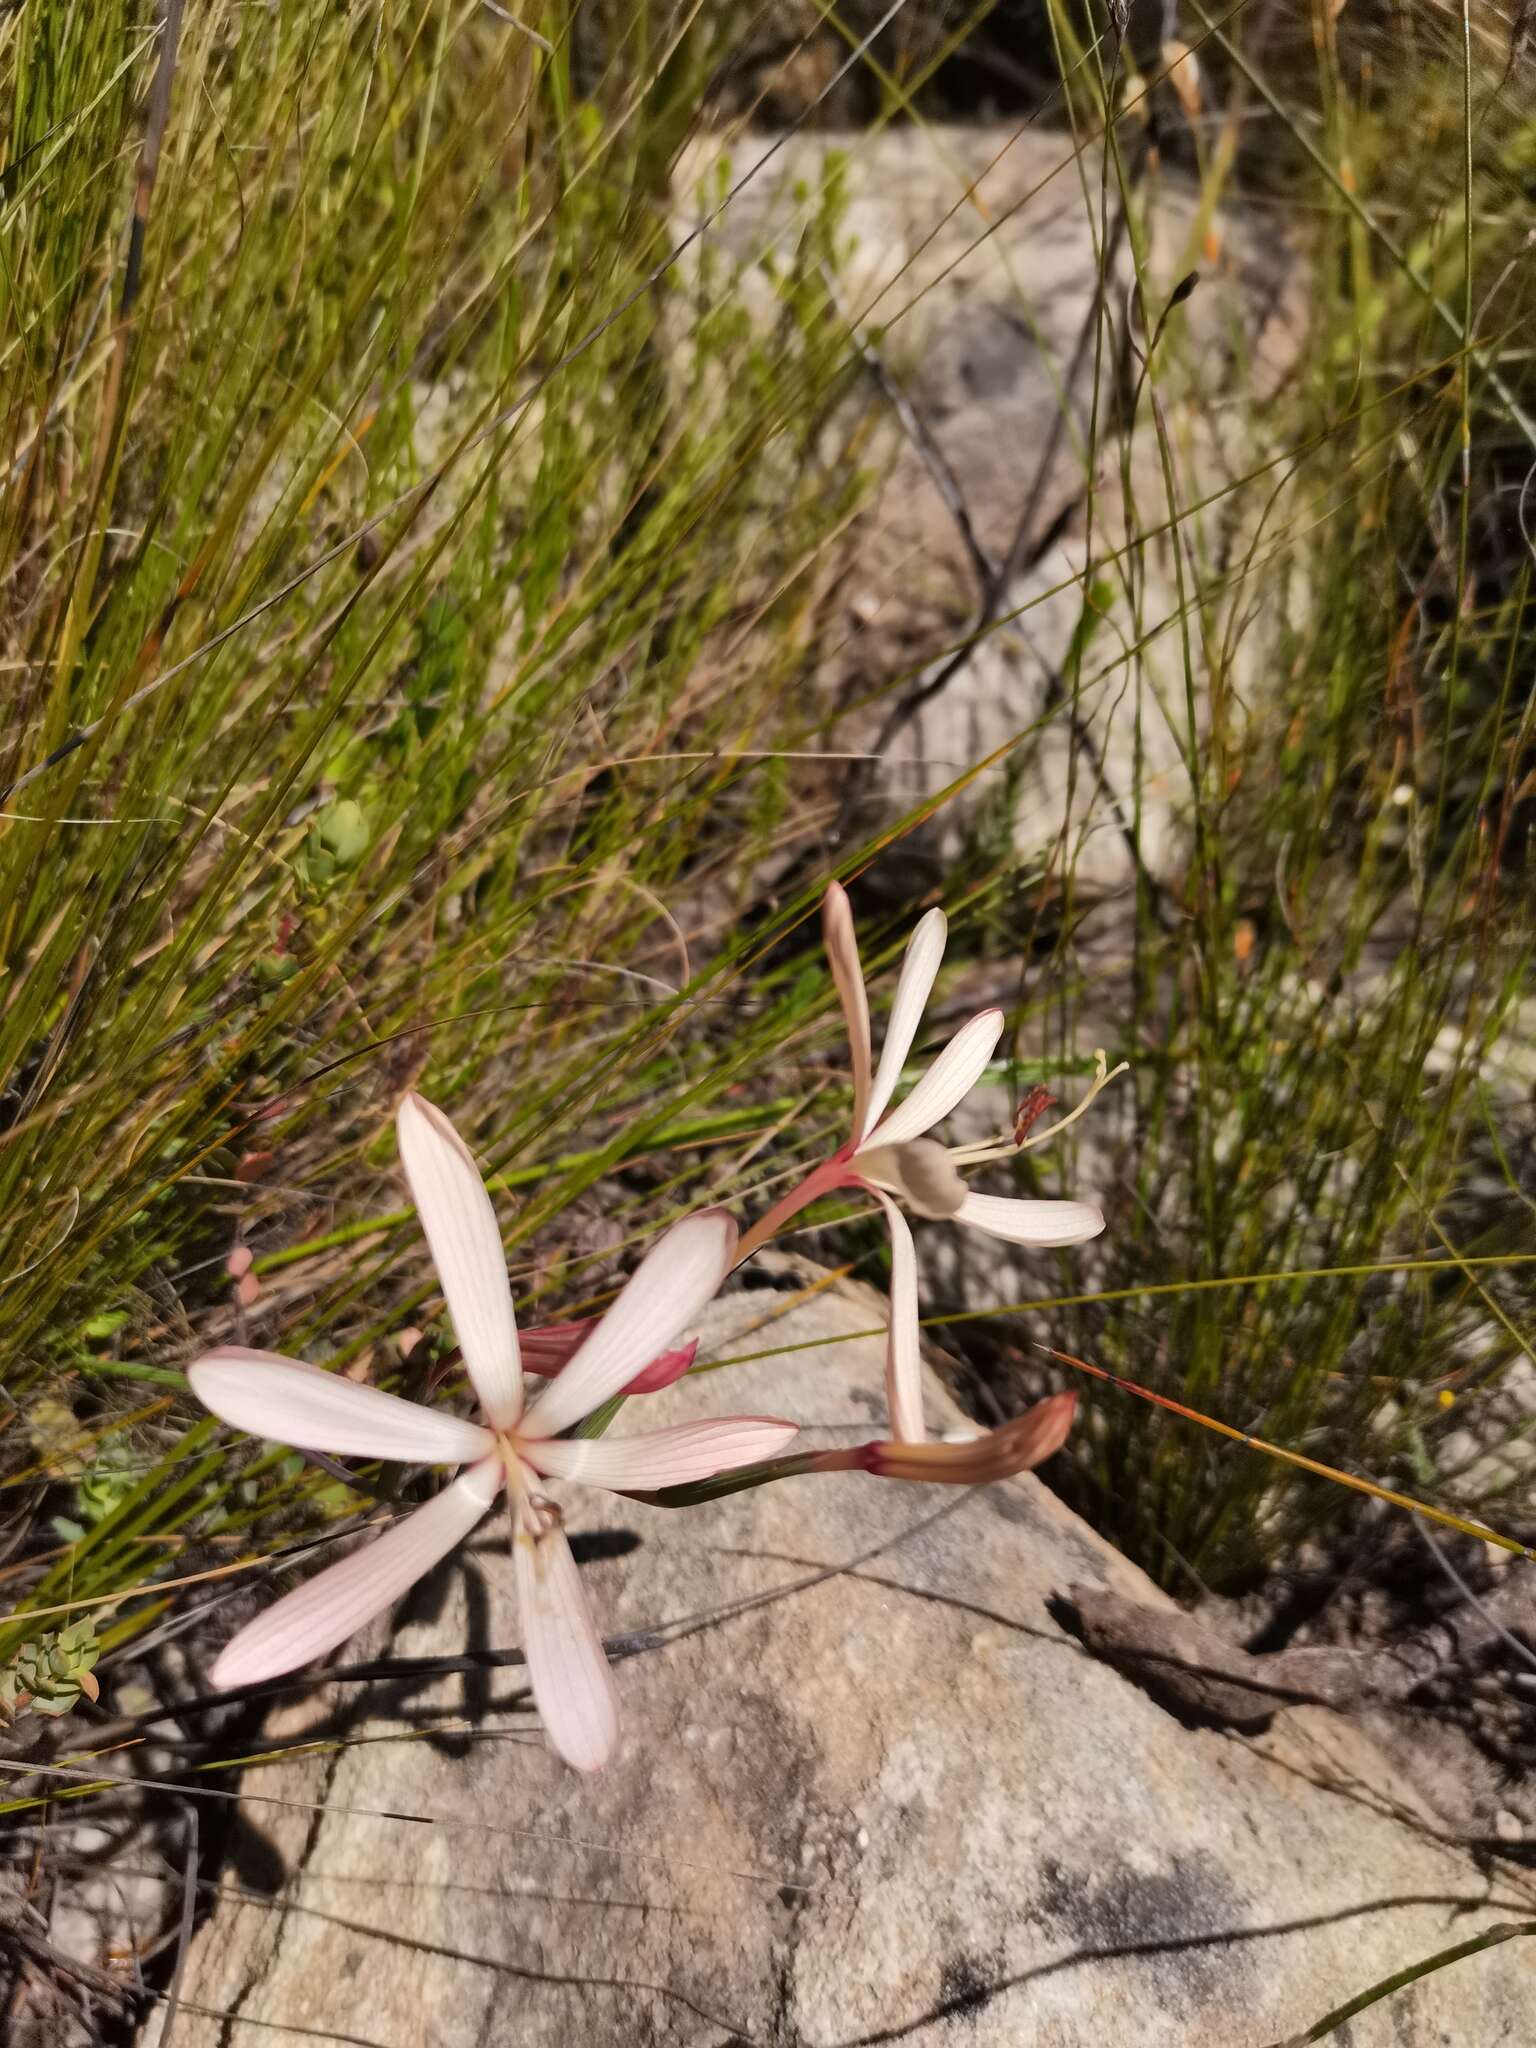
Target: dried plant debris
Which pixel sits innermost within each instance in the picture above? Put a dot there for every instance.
(1192, 1669)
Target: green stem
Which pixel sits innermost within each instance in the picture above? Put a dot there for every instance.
(1491, 1937)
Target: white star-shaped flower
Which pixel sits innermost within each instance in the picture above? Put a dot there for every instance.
(891, 1154)
(517, 1446)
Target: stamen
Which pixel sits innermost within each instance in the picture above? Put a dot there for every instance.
(1030, 1110)
(1103, 1075)
(533, 1517)
(1009, 1148)
(544, 1518)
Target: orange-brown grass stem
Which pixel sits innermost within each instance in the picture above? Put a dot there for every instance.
(1258, 1443)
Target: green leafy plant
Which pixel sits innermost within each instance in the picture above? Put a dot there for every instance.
(49, 1674)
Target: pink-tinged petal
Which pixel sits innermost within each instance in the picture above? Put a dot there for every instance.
(1045, 1224)
(919, 969)
(903, 1345)
(664, 1457)
(295, 1403)
(680, 1274)
(664, 1370)
(949, 1080)
(306, 1623)
(461, 1227)
(843, 957)
(567, 1667)
(549, 1348)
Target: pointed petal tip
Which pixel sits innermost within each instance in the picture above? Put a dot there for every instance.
(421, 1129)
(414, 1108)
(1042, 1430)
(567, 1664)
(1047, 1225)
(229, 1670)
(722, 1221)
(589, 1763)
(322, 1613)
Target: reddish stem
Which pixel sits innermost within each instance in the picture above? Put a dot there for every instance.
(821, 1180)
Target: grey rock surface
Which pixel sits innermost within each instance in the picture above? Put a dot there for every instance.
(970, 262)
(869, 1791)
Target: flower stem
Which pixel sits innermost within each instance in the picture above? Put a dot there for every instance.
(821, 1180)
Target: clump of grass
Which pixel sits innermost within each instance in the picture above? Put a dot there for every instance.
(1324, 1019)
(403, 566)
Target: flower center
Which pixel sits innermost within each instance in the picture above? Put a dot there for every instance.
(532, 1514)
(920, 1171)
